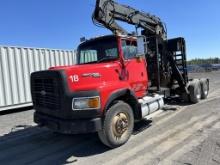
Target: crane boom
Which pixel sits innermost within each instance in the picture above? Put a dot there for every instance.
(107, 12)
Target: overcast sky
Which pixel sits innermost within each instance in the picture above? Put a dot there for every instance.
(61, 23)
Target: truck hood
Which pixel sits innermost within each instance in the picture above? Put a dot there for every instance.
(90, 76)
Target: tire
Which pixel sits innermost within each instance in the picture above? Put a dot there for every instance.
(204, 88)
(195, 91)
(118, 125)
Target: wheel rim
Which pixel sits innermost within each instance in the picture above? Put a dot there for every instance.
(120, 125)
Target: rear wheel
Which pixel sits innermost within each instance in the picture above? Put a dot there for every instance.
(118, 125)
(204, 88)
(195, 91)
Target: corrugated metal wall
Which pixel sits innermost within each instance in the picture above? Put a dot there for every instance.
(17, 63)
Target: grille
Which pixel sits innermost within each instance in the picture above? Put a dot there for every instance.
(46, 93)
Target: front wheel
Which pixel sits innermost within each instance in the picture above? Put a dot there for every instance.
(118, 125)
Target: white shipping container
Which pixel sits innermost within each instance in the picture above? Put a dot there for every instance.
(16, 65)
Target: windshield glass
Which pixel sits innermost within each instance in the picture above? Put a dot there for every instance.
(99, 50)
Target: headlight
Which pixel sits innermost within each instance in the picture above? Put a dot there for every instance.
(86, 103)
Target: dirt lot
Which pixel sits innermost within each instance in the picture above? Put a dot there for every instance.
(189, 135)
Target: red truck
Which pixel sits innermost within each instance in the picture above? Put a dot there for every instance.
(118, 79)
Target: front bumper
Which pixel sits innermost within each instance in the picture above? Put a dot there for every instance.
(75, 126)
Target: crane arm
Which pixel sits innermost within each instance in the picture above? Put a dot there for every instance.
(107, 12)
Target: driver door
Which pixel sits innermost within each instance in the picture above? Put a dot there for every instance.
(135, 67)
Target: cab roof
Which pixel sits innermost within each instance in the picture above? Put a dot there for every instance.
(107, 37)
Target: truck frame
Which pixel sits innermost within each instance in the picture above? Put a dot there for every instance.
(118, 79)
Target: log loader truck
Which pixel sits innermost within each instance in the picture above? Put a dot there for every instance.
(118, 79)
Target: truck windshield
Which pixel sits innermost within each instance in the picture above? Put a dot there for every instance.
(98, 50)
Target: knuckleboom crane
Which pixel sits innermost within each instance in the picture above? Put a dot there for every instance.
(108, 11)
(166, 57)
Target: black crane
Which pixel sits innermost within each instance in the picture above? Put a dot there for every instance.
(166, 58)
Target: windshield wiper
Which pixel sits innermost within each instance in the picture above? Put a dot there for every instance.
(107, 59)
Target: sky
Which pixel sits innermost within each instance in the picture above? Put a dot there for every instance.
(61, 23)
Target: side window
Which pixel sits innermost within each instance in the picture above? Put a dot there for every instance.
(111, 52)
(88, 56)
(129, 49)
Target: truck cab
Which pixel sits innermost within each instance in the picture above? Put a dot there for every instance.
(117, 55)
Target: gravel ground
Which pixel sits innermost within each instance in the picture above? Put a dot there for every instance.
(189, 135)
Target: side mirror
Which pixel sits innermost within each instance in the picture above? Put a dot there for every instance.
(141, 46)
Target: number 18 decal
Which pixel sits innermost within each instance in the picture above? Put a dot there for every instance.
(74, 78)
